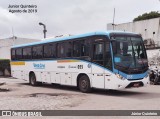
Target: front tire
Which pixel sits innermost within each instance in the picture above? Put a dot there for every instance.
(84, 84)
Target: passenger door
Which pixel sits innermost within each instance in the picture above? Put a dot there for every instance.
(108, 65)
(97, 65)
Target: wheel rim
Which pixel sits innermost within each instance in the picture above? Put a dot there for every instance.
(32, 80)
(84, 84)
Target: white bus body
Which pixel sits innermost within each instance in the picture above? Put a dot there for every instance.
(67, 71)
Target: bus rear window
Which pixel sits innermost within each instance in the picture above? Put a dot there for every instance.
(13, 54)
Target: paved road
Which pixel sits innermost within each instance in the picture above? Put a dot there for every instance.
(48, 97)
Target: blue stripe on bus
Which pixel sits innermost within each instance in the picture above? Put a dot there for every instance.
(62, 39)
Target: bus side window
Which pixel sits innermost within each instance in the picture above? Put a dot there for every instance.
(37, 52)
(19, 53)
(49, 51)
(76, 49)
(68, 49)
(27, 53)
(60, 50)
(53, 50)
(13, 54)
(81, 48)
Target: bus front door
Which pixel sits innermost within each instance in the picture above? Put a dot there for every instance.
(98, 62)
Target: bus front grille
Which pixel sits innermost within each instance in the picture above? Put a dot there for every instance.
(135, 84)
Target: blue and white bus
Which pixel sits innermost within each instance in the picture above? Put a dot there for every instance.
(105, 60)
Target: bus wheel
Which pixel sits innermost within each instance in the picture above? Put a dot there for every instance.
(32, 80)
(84, 84)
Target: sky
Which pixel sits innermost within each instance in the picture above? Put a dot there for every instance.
(63, 17)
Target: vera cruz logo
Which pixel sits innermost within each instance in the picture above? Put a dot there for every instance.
(39, 66)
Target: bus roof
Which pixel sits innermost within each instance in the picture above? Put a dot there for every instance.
(49, 40)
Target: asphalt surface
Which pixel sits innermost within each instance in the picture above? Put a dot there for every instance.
(17, 94)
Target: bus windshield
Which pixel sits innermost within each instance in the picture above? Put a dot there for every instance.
(129, 54)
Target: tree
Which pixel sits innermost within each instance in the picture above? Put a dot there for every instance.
(146, 16)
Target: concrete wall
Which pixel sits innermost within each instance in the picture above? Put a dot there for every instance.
(145, 28)
(6, 44)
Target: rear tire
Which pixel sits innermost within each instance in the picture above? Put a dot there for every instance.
(33, 81)
(84, 84)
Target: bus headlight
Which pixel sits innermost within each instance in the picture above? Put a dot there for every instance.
(151, 72)
(146, 76)
(120, 77)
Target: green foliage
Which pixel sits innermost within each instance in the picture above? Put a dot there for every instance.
(4, 64)
(146, 16)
